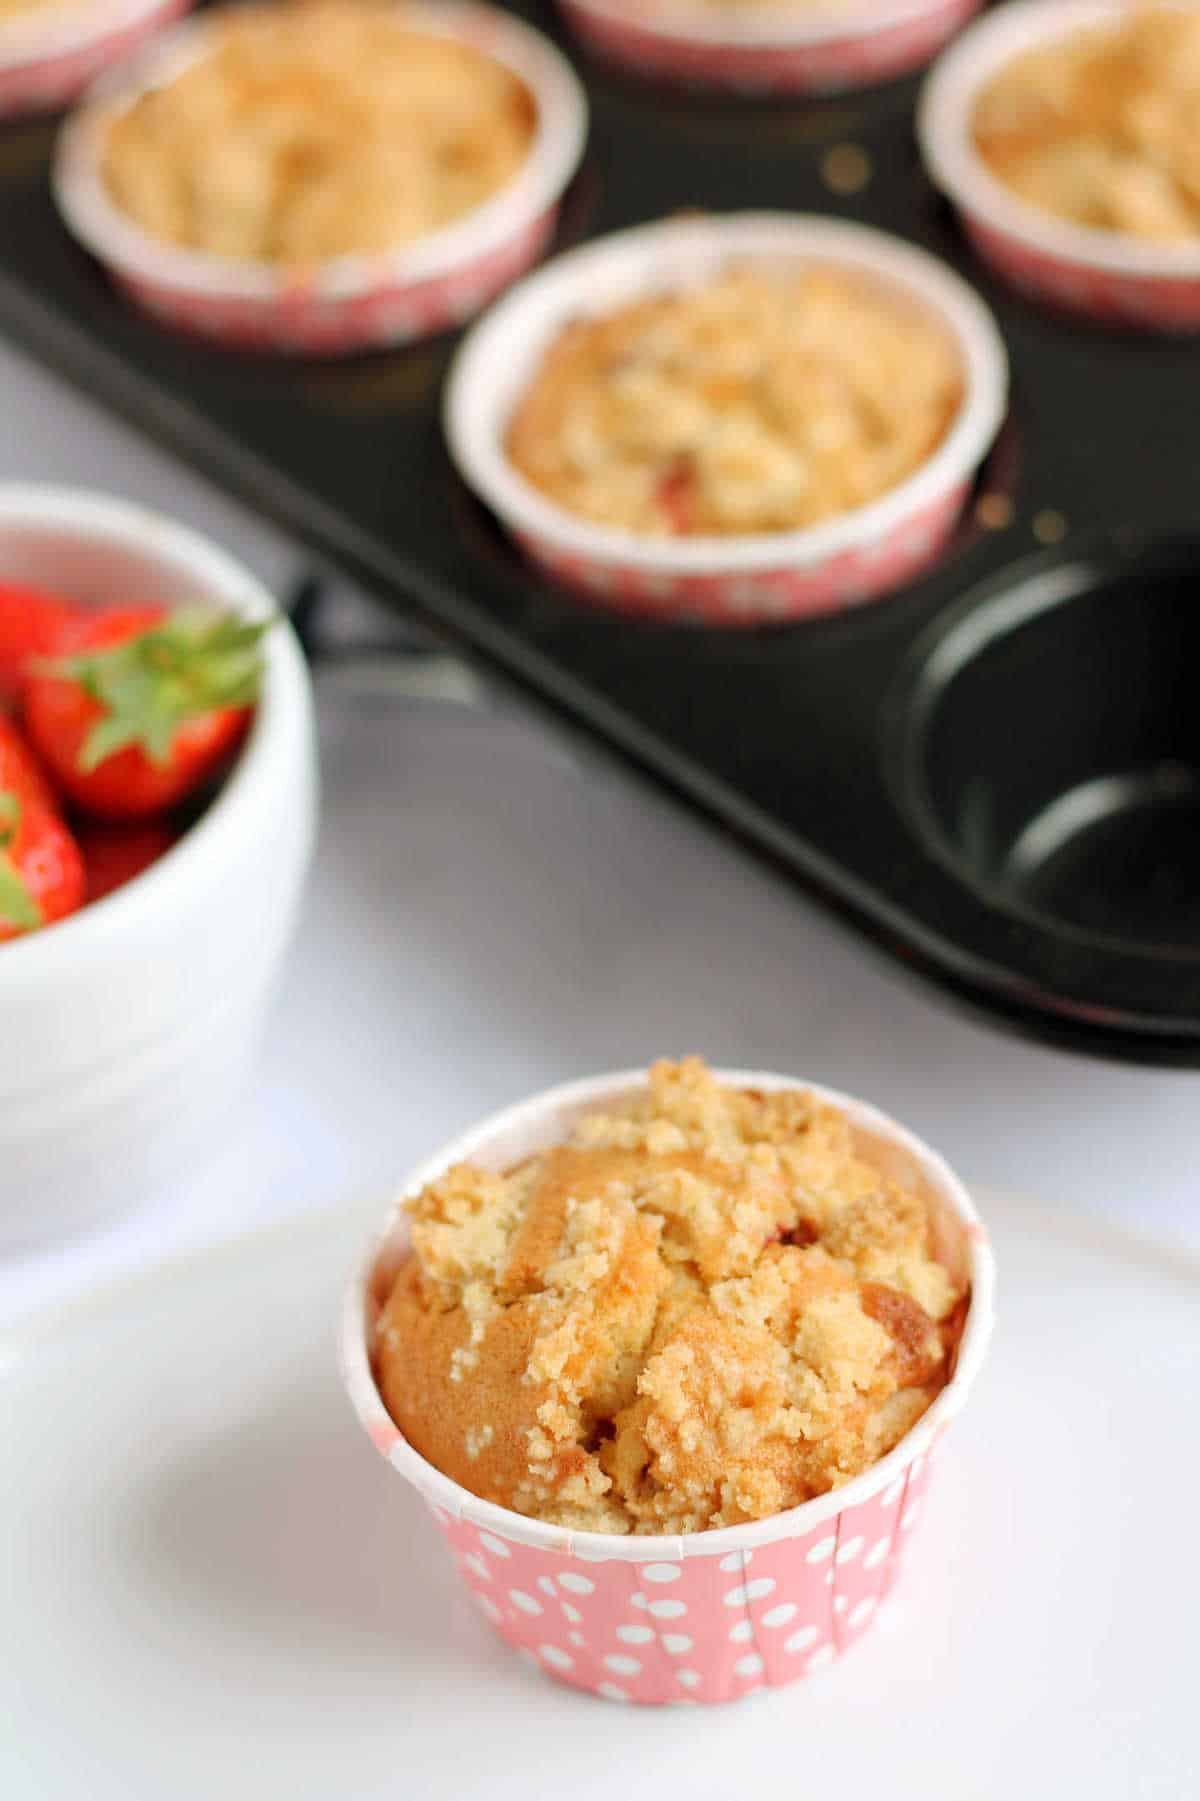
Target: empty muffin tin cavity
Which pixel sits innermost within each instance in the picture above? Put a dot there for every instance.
(1052, 743)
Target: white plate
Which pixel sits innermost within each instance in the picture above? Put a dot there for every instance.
(210, 1586)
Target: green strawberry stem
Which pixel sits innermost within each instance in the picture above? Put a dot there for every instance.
(195, 662)
(17, 905)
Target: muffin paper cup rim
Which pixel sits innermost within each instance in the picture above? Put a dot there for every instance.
(764, 28)
(55, 31)
(943, 116)
(443, 1492)
(485, 380)
(100, 225)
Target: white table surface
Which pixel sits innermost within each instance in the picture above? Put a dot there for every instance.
(488, 915)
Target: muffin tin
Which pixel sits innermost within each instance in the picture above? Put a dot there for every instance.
(995, 773)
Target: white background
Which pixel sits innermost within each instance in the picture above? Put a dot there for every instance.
(488, 915)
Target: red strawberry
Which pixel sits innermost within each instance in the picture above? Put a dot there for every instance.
(114, 854)
(41, 870)
(30, 624)
(142, 705)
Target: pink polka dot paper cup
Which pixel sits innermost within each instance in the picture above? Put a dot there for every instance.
(354, 302)
(714, 1615)
(1105, 276)
(725, 581)
(51, 53)
(805, 49)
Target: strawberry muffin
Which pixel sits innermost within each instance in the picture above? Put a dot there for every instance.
(316, 131)
(1102, 127)
(707, 1306)
(762, 400)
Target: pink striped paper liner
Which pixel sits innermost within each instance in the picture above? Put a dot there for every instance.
(1098, 275)
(796, 54)
(357, 302)
(712, 1616)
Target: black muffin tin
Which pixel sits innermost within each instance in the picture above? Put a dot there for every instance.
(995, 773)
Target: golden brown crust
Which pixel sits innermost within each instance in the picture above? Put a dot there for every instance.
(763, 400)
(1103, 127)
(318, 130)
(704, 1308)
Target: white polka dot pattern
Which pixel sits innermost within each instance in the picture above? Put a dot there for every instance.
(697, 1628)
(848, 579)
(622, 1666)
(576, 1584)
(749, 1591)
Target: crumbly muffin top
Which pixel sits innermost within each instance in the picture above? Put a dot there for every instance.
(760, 401)
(702, 1308)
(1103, 127)
(316, 130)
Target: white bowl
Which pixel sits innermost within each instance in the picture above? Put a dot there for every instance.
(792, 1551)
(843, 561)
(128, 1028)
(50, 54)
(1111, 277)
(353, 302)
(770, 48)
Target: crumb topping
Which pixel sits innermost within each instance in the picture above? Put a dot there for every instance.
(316, 130)
(1104, 126)
(703, 1308)
(764, 400)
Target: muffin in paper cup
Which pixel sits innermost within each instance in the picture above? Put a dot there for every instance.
(51, 53)
(1106, 276)
(852, 557)
(807, 49)
(709, 1616)
(354, 302)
